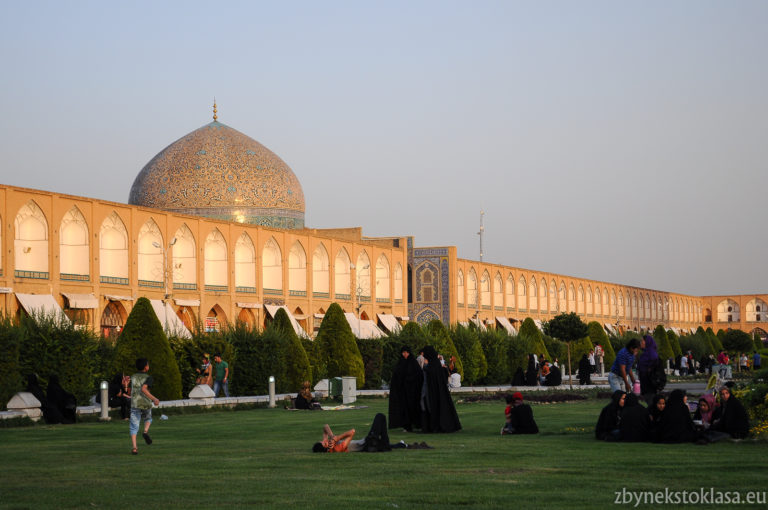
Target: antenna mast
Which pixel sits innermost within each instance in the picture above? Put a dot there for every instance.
(482, 229)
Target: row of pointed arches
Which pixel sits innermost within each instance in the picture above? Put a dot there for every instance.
(540, 295)
(175, 261)
(729, 310)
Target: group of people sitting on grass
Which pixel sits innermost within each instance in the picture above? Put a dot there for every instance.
(670, 419)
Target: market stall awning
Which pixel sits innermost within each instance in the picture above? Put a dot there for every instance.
(363, 328)
(477, 322)
(113, 297)
(390, 322)
(187, 302)
(171, 323)
(41, 304)
(81, 300)
(507, 325)
(272, 310)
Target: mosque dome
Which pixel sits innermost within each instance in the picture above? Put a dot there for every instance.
(218, 172)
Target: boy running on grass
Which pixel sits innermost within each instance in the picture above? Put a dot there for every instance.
(141, 402)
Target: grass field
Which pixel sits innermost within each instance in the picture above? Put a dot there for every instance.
(261, 458)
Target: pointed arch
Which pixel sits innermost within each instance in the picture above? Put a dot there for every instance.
(510, 291)
(562, 298)
(571, 297)
(341, 274)
(74, 249)
(533, 293)
(543, 300)
(590, 301)
(485, 289)
(398, 283)
(498, 290)
(363, 276)
(756, 310)
(460, 287)
(150, 255)
(215, 269)
(598, 301)
(382, 279)
(727, 311)
(113, 250)
(215, 319)
(580, 300)
(112, 319)
(245, 264)
(321, 274)
(472, 288)
(522, 287)
(272, 267)
(31, 242)
(297, 270)
(184, 259)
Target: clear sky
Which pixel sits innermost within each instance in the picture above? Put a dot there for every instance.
(619, 141)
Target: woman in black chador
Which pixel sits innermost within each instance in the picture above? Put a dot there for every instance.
(608, 423)
(405, 392)
(62, 400)
(531, 373)
(634, 420)
(585, 369)
(437, 411)
(675, 424)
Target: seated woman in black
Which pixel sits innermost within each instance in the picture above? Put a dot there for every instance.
(675, 424)
(634, 420)
(608, 423)
(304, 398)
(585, 371)
(656, 409)
(730, 417)
(521, 417)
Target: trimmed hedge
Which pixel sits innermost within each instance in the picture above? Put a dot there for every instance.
(598, 337)
(338, 346)
(441, 341)
(297, 367)
(471, 353)
(371, 350)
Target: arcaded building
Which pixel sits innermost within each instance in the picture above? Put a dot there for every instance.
(214, 233)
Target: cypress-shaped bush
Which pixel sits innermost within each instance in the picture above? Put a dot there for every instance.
(371, 349)
(662, 343)
(533, 337)
(579, 348)
(714, 340)
(11, 337)
(143, 337)
(441, 341)
(598, 337)
(674, 343)
(339, 348)
(315, 357)
(557, 349)
(467, 343)
(297, 367)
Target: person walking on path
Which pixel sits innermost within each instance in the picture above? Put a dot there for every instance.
(222, 376)
(141, 403)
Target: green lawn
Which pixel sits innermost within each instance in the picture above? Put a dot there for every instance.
(262, 458)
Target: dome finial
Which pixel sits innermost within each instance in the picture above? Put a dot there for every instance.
(215, 117)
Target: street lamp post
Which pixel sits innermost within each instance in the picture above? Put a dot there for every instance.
(165, 277)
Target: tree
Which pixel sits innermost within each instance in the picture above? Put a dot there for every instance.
(567, 327)
(673, 341)
(441, 341)
(662, 343)
(339, 348)
(714, 340)
(297, 368)
(737, 341)
(143, 337)
(532, 338)
(470, 350)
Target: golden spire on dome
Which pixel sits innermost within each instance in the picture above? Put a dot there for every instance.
(215, 117)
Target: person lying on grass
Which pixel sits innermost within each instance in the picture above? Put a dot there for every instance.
(377, 440)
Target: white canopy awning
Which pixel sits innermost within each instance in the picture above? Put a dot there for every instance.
(538, 325)
(507, 325)
(319, 315)
(45, 304)
(272, 310)
(609, 327)
(113, 297)
(5, 290)
(187, 302)
(477, 322)
(404, 318)
(390, 322)
(81, 300)
(171, 323)
(249, 305)
(464, 323)
(363, 328)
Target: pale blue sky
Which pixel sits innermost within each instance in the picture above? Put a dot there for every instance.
(620, 141)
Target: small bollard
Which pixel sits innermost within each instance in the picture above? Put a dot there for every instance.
(271, 391)
(104, 387)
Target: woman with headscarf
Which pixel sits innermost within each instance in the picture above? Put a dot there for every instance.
(731, 417)
(648, 368)
(438, 413)
(675, 424)
(634, 424)
(705, 411)
(520, 416)
(607, 428)
(405, 392)
(585, 370)
(531, 373)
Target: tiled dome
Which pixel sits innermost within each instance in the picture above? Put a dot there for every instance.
(219, 172)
